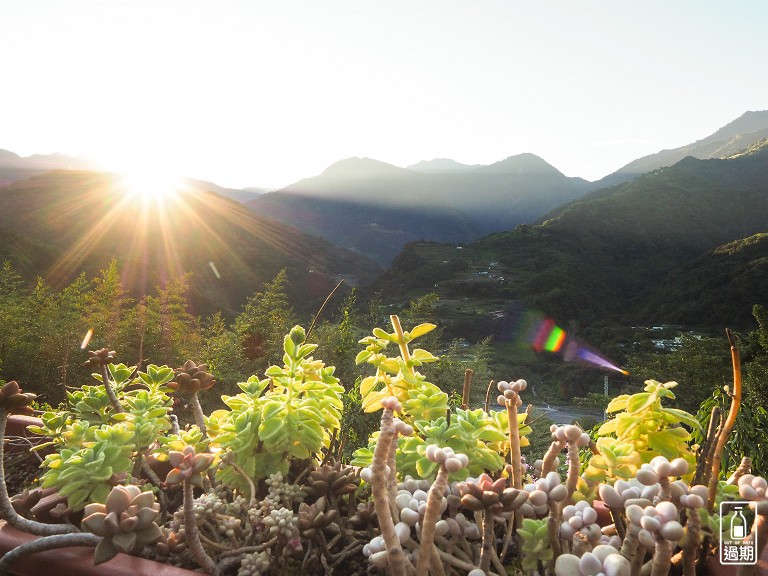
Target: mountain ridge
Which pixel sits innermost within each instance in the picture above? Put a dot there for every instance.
(87, 218)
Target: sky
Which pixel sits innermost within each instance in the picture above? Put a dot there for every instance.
(266, 92)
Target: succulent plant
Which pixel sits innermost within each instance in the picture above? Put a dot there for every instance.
(644, 429)
(85, 475)
(397, 376)
(125, 521)
(14, 401)
(602, 559)
(331, 481)
(191, 378)
(188, 465)
(290, 414)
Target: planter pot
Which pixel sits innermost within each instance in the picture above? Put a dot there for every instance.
(78, 561)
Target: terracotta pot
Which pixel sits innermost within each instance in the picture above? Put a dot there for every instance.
(78, 561)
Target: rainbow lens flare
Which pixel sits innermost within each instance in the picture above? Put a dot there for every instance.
(544, 334)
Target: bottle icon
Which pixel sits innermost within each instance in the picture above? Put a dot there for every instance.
(738, 530)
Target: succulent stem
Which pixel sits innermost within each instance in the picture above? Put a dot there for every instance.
(192, 535)
(381, 503)
(110, 391)
(46, 543)
(7, 511)
(662, 557)
(431, 514)
(691, 545)
(197, 411)
(573, 468)
(548, 464)
(759, 531)
(488, 538)
(514, 445)
(725, 431)
(400, 337)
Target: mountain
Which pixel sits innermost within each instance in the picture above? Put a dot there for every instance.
(14, 167)
(375, 208)
(61, 223)
(685, 244)
(721, 286)
(734, 136)
(441, 166)
(240, 195)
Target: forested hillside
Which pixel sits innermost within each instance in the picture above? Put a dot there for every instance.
(61, 223)
(618, 254)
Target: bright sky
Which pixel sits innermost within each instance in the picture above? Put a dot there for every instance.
(265, 92)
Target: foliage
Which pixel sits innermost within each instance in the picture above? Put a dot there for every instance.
(396, 376)
(291, 414)
(747, 437)
(95, 442)
(643, 429)
(699, 366)
(481, 436)
(266, 317)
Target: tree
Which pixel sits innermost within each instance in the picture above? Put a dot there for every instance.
(15, 350)
(221, 351)
(106, 307)
(265, 320)
(700, 366)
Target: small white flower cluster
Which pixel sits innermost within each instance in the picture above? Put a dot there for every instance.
(376, 550)
(452, 461)
(254, 564)
(229, 527)
(753, 487)
(625, 492)
(207, 505)
(540, 493)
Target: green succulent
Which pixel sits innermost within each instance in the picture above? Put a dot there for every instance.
(148, 412)
(472, 432)
(191, 436)
(643, 429)
(95, 443)
(535, 544)
(292, 413)
(397, 376)
(84, 474)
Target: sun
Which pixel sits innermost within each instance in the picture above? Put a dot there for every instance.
(150, 185)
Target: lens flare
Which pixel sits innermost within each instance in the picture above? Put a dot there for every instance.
(87, 339)
(544, 334)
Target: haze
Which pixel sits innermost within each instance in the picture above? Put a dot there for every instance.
(249, 93)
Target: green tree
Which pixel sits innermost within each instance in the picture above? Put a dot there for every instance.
(700, 366)
(221, 351)
(106, 307)
(16, 351)
(266, 318)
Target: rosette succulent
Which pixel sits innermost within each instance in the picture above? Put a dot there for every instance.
(125, 521)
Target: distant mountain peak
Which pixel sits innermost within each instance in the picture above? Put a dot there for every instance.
(441, 166)
(747, 123)
(357, 167)
(525, 163)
